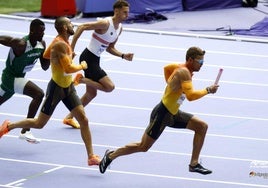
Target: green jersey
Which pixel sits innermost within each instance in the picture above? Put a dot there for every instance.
(17, 66)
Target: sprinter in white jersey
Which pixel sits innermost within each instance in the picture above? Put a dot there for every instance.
(105, 34)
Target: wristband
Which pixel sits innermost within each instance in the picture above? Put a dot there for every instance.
(122, 56)
(208, 90)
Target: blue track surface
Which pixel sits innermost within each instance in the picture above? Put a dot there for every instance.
(236, 114)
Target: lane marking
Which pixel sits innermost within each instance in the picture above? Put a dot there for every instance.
(142, 128)
(150, 151)
(141, 174)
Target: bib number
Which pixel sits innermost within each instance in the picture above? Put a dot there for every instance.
(102, 48)
(28, 68)
(181, 99)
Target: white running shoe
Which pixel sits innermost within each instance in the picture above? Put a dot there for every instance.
(29, 137)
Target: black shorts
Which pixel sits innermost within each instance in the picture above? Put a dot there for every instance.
(55, 94)
(161, 118)
(93, 71)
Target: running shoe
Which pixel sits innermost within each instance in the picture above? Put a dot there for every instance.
(93, 160)
(199, 169)
(28, 136)
(105, 162)
(3, 128)
(71, 122)
(77, 78)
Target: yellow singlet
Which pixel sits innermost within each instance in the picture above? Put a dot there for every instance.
(58, 74)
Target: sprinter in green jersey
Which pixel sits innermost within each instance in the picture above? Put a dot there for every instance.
(23, 55)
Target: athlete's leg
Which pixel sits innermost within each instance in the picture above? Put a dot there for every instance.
(36, 123)
(79, 113)
(37, 95)
(4, 96)
(88, 96)
(104, 84)
(5, 88)
(200, 129)
(159, 118)
(143, 146)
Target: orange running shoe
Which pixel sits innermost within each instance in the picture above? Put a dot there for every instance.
(94, 160)
(77, 78)
(72, 123)
(3, 128)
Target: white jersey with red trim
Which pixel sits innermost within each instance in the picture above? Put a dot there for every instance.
(99, 42)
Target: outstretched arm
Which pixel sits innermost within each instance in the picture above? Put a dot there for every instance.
(76, 35)
(98, 25)
(18, 45)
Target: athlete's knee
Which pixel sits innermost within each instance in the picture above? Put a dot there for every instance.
(144, 148)
(39, 95)
(197, 125)
(83, 120)
(39, 124)
(41, 120)
(110, 87)
(202, 127)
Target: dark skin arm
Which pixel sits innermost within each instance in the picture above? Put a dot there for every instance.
(18, 46)
(44, 62)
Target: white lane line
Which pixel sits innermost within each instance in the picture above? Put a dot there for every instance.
(20, 182)
(151, 150)
(54, 169)
(142, 174)
(142, 128)
(16, 183)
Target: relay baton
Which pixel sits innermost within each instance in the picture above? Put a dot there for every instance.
(218, 76)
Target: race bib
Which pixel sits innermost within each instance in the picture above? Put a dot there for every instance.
(181, 99)
(102, 48)
(28, 68)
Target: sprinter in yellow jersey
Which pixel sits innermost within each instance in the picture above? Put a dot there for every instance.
(60, 88)
(166, 113)
(65, 29)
